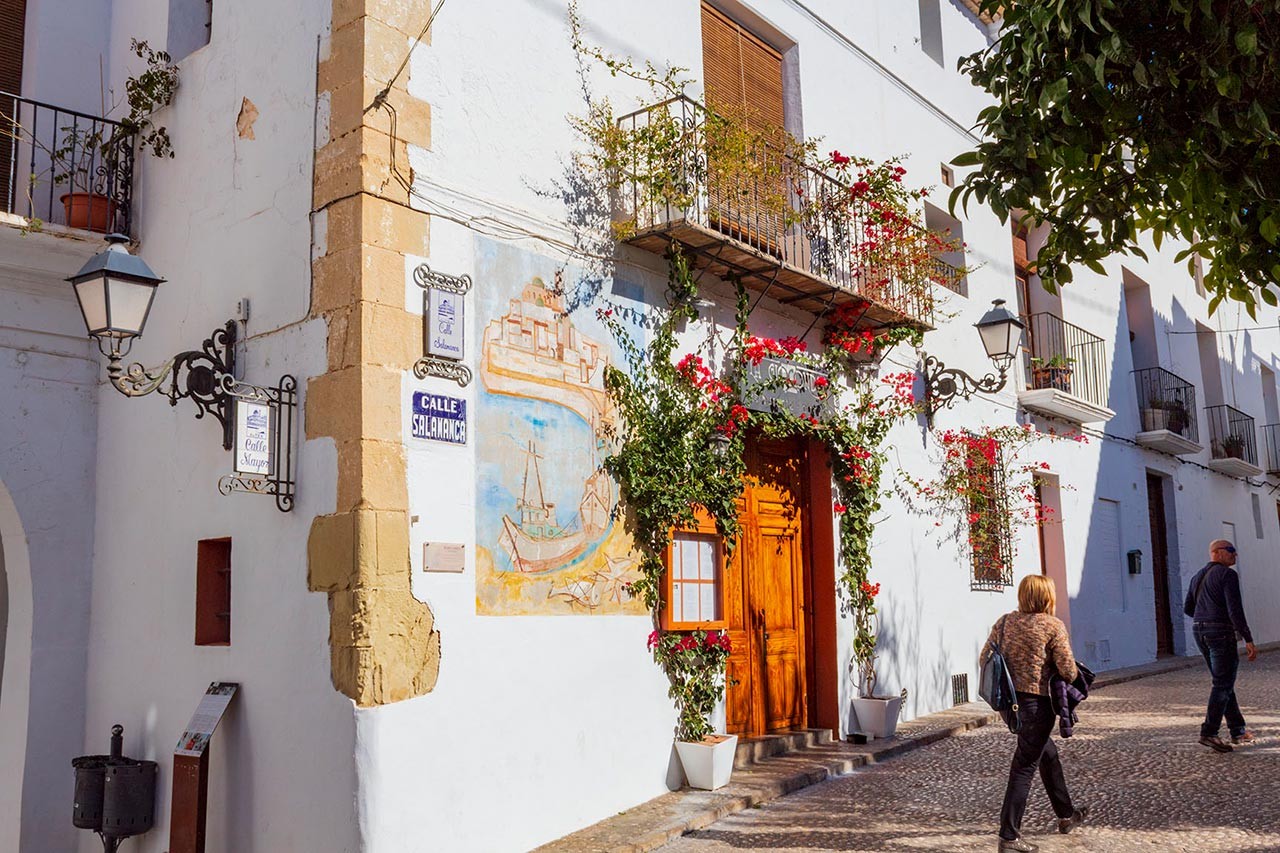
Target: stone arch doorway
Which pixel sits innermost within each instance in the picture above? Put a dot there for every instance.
(15, 665)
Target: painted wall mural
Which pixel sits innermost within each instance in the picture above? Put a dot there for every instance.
(547, 543)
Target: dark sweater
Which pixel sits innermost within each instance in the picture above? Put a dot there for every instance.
(1218, 600)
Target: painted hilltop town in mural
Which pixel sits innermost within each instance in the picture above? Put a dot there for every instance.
(547, 540)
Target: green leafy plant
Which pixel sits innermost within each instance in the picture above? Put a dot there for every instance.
(1115, 118)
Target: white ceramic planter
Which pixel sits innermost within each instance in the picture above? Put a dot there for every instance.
(708, 765)
(877, 717)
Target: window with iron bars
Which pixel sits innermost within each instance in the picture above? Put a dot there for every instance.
(990, 524)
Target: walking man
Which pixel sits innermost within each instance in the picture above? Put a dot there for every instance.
(1213, 603)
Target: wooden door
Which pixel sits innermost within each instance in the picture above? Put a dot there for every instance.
(765, 595)
(1160, 564)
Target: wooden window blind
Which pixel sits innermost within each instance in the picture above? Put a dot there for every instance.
(13, 15)
(742, 74)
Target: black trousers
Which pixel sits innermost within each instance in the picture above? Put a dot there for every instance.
(1035, 750)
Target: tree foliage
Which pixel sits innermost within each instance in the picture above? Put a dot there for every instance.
(1115, 117)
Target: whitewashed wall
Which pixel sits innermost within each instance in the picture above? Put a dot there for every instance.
(226, 219)
(47, 428)
(501, 77)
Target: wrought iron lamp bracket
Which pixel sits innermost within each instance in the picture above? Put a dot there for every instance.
(943, 385)
(434, 365)
(205, 376)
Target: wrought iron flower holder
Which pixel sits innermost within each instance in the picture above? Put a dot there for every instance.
(430, 364)
(207, 377)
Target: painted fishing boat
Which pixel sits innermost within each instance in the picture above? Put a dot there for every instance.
(537, 543)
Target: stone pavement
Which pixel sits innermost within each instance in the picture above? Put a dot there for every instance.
(1134, 760)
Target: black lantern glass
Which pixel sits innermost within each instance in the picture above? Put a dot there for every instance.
(115, 290)
(1001, 333)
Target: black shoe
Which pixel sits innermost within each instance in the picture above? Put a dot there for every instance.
(1216, 744)
(1017, 845)
(1067, 824)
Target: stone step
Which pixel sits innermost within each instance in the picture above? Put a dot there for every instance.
(756, 749)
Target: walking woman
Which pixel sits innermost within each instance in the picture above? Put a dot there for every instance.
(1035, 646)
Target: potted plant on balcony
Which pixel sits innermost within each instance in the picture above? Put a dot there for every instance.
(695, 663)
(92, 158)
(1155, 414)
(1053, 372)
(1233, 446)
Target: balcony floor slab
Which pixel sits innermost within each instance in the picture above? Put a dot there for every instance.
(1235, 466)
(1060, 404)
(1168, 441)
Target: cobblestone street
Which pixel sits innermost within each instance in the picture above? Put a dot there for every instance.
(1134, 760)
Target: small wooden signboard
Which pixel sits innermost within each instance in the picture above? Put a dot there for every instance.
(190, 802)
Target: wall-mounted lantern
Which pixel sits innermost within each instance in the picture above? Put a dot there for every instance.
(115, 290)
(1001, 333)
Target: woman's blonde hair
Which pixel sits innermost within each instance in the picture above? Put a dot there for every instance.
(1036, 595)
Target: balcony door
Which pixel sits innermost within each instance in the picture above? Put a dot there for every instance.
(13, 15)
(742, 76)
(765, 595)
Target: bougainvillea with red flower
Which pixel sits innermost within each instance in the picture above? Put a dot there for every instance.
(988, 487)
(695, 664)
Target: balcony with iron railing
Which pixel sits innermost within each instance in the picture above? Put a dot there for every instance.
(1066, 371)
(1233, 441)
(1271, 448)
(772, 221)
(63, 167)
(1166, 411)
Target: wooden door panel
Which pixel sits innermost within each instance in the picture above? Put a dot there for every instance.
(740, 684)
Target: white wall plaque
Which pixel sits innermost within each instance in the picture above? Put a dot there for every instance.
(443, 557)
(445, 315)
(253, 438)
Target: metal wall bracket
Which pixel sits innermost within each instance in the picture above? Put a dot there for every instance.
(435, 365)
(943, 385)
(282, 481)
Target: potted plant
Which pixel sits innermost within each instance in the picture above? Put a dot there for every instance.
(1178, 418)
(1054, 372)
(695, 663)
(1233, 446)
(1155, 415)
(877, 716)
(91, 158)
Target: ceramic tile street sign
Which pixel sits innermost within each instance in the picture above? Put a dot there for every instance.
(253, 438)
(437, 417)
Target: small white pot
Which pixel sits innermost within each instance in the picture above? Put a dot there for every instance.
(708, 765)
(877, 717)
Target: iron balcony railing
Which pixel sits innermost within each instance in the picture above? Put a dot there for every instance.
(1166, 401)
(1271, 446)
(773, 202)
(1231, 434)
(1066, 357)
(65, 167)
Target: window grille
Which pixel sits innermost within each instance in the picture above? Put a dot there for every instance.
(990, 528)
(960, 689)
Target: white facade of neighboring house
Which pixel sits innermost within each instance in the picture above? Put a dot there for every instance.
(548, 713)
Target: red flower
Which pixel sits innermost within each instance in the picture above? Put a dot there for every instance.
(821, 382)
(654, 637)
(839, 507)
(838, 159)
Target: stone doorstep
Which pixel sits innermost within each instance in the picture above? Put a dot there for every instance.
(754, 749)
(801, 759)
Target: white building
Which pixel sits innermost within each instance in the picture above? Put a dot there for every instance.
(413, 707)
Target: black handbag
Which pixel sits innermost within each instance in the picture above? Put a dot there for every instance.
(995, 684)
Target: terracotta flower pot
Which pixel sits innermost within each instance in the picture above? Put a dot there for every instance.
(89, 211)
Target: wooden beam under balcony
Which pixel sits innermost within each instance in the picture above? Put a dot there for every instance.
(778, 271)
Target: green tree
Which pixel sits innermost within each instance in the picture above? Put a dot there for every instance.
(1115, 117)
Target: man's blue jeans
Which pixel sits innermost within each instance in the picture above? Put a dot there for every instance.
(1218, 645)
